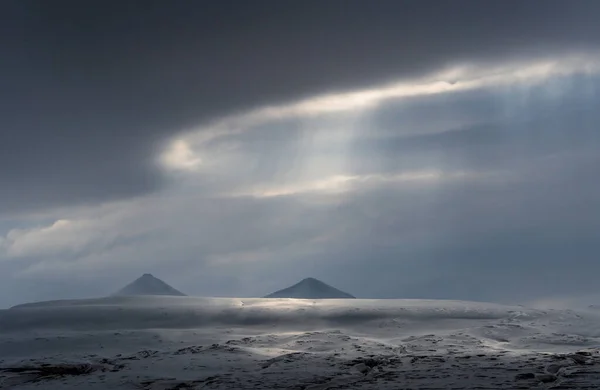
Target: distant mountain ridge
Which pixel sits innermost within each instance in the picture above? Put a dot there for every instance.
(147, 284)
(311, 288)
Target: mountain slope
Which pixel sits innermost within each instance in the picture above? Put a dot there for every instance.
(147, 284)
(310, 288)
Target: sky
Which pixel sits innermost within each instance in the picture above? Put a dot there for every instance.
(393, 149)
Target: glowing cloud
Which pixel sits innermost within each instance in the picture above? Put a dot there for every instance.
(315, 172)
(339, 184)
(180, 156)
(460, 78)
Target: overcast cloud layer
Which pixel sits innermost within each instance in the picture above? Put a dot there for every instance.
(393, 149)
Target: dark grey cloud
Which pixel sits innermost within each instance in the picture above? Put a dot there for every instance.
(89, 91)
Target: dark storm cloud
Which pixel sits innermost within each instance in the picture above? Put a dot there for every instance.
(89, 90)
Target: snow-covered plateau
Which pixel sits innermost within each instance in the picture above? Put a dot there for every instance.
(169, 342)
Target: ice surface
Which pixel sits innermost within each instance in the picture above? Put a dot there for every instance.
(168, 342)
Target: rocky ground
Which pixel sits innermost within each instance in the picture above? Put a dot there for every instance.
(457, 348)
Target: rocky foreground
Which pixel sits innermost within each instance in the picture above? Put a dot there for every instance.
(255, 345)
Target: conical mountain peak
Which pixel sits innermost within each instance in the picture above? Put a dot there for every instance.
(147, 284)
(310, 288)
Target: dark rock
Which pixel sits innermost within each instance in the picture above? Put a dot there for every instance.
(524, 376)
(362, 368)
(546, 378)
(579, 359)
(553, 368)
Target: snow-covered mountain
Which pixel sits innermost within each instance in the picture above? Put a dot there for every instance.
(147, 284)
(310, 288)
